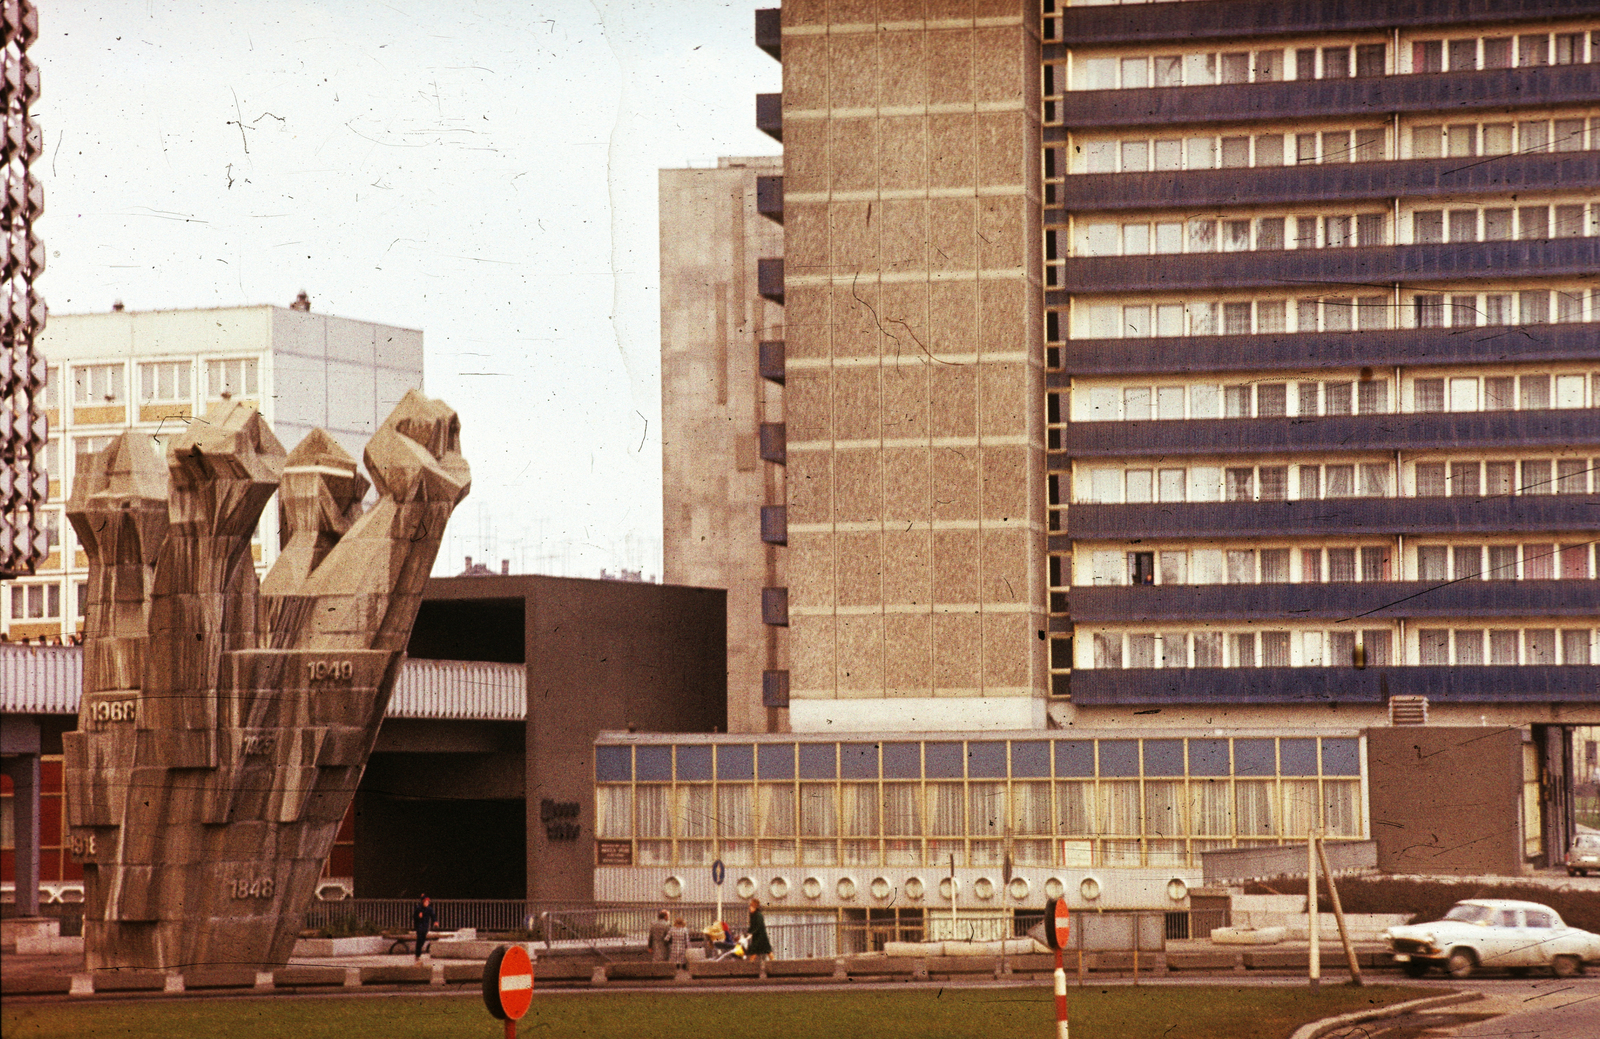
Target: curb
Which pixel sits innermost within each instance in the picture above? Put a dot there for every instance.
(1328, 1024)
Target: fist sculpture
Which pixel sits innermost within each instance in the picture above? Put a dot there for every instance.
(226, 721)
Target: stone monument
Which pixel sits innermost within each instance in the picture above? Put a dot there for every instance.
(225, 722)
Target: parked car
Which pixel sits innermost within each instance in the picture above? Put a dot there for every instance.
(1494, 932)
(1584, 855)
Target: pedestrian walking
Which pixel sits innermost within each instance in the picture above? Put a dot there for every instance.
(422, 920)
(760, 945)
(678, 939)
(658, 936)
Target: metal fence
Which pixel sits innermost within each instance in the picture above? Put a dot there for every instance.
(543, 921)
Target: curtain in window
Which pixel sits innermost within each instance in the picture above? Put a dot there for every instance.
(945, 816)
(860, 809)
(1117, 807)
(1341, 807)
(695, 815)
(1030, 808)
(777, 810)
(733, 811)
(1253, 802)
(1073, 808)
(986, 804)
(615, 809)
(1208, 808)
(1163, 807)
(655, 811)
(819, 812)
(902, 809)
(1299, 806)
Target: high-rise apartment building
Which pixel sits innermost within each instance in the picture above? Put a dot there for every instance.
(722, 418)
(155, 371)
(1231, 358)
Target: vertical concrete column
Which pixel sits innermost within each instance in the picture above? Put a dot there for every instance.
(24, 772)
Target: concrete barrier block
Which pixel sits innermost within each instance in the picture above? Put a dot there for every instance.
(724, 969)
(805, 968)
(298, 976)
(646, 971)
(406, 974)
(218, 977)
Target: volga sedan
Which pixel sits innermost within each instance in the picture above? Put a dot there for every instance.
(1494, 933)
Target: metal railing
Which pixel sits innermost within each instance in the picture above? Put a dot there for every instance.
(542, 921)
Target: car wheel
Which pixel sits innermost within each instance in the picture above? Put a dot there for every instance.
(1415, 968)
(1565, 966)
(1460, 963)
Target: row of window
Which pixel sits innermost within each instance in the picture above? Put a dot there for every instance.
(1503, 223)
(1085, 758)
(1457, 478)
(1145, 237)
(1341, 61)
(1184, 649)
(1093, 320)
(159, 382)
(1542, 561)
(1534, 392)
(1145, 154)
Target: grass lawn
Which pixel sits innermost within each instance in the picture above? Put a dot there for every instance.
(1123, 1012)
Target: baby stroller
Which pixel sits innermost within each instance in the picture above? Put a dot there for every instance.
(719, 946)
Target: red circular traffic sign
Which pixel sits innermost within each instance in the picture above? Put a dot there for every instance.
(1057, 923)
(508, 982)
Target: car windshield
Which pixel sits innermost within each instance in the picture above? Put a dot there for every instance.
(1470, 914)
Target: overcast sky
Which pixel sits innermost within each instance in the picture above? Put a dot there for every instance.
(485, 172)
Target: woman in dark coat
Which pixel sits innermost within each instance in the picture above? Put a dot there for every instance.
(760, 944)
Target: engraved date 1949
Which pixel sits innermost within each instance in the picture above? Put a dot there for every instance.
(330, 670)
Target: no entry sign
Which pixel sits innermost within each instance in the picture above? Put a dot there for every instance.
(508, 982)
(1057, 924)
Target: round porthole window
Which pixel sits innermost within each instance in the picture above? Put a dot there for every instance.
(949, 888)
(845, 889)
(880, 888)
(1089, 888)
(1177, 890)
(745, 887)
(983, 888)
(1017, 889)
(672, 887)
(1053, 888)
(778, 888)
(915, 888)
(811, 887)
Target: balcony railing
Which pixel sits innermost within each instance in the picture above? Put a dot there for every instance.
(1328, 517)
(1125, 24)
(1289, 185)
(1362, 267)
(769, 30)
(1411, 431)
(1335, 600)
(1579, 683)
(1299, 351)
(775, 689)
(1453, 92)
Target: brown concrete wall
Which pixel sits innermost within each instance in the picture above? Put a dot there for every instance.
(911, 157)
(713, 401)
(1446, 800)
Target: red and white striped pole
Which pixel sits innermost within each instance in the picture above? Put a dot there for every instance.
(1061, 998)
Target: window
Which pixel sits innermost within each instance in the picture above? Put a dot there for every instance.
(1429, 395)
(1433, 562)
(1275, 566)
(97, 384)
(1433, 646)
(1274, 483)
(1142, 567)
(1372, 396)
(1240, 485)
(164, 381)
(35, 601)
(1430, 480)
(1341, 481)
(235, 378)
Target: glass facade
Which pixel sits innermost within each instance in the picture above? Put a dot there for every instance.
(1082, 802)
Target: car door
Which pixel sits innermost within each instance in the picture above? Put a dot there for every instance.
(1504, 940)
(1541, 936)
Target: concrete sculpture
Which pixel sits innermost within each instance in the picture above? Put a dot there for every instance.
(224, 726)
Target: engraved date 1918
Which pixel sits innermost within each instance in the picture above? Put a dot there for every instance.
(81, 845)
(330, 670)
(250, 887)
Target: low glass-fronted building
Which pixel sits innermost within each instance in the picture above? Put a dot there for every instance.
(811, 822)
